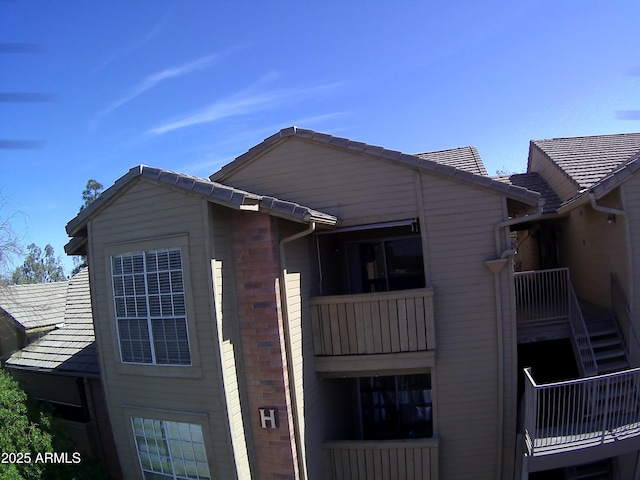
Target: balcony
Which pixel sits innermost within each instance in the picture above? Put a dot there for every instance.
(577, 421)
(355, 332)
(373, 460)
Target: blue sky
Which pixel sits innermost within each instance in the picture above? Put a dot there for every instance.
(189, 85)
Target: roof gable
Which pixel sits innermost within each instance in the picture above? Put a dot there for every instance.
(451, 167)
(213, 191)
(588, 160)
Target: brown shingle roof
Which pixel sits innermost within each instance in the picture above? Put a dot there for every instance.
(463, 158)
(71, 348)
(588, 160)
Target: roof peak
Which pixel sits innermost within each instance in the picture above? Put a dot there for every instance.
(475, 174)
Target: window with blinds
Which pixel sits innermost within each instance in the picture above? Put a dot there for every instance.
(149, 299)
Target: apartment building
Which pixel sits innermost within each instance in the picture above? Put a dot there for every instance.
(323, 308)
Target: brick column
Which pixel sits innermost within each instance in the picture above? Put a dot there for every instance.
(256, 265)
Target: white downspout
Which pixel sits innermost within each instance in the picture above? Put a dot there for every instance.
(496, 266)
(603, 209)
(287, 347)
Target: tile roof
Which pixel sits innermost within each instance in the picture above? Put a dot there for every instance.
(37, 305)
(533, 181)
(445, 169)
(71, 348)
(215, 192)
(463, 158)
(588, 160)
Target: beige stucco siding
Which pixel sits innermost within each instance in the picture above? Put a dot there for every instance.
(148, 216)
(594, 249)
(631, 202)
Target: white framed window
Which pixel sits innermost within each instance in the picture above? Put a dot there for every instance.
(170, 450)
(149, 301)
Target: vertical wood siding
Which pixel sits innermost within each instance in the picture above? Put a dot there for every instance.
(403, 460)
(387, 322)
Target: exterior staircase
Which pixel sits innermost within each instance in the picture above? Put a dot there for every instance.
(591, 471)
(606, 340)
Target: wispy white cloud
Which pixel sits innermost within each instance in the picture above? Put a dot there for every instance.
(151, 81)
(137, 44)
(213, 155)
(242, 103)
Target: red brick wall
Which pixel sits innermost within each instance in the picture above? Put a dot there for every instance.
(256, 262)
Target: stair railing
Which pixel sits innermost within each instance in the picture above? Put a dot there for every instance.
(626, 326)
(588, 362)
(548, 295)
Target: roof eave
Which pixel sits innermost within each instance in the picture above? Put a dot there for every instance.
(407, 160)
(52, 371)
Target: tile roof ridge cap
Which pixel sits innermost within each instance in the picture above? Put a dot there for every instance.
(604, 135)
(445, 150)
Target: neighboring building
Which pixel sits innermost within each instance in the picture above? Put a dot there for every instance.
(358, 315)
(61, 367)
(27, 312)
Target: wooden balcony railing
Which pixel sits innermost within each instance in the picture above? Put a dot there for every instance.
(566, 416)
(373, 460)
(373, 323)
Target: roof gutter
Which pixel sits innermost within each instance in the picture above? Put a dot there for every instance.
(515, 221)
(288, 348)
(602, 208)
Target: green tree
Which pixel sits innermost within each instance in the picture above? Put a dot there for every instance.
(39, 267)
(23, 429)
(30, 428)
(92, 190)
